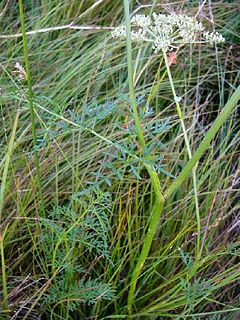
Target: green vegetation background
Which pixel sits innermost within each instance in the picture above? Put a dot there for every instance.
(76, 261)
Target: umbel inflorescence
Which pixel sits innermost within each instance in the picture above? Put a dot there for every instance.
(168, 32)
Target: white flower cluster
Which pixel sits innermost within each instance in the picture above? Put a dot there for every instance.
(213, 37)
(119, 32)
(168, 32)
(141, 20)
(139, 35)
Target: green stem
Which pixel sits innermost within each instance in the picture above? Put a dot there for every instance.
(130, 76)
(177, 104)
(159, 201)
(154, 219)
(6, 164)
(195, 190)
(31, 107)
(194, 176)
(4, 279)
(222, 117)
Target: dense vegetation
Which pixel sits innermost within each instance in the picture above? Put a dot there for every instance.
(72, 232)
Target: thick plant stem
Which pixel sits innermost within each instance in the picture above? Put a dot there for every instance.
(30, 100)
(159, 198)
(154, 219)
(194, 176)
(222, 117)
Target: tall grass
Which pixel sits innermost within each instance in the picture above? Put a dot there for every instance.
(78, 261)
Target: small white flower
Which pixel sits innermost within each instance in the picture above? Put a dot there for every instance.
(162, 44)
(213, 37)
(119, 32)
(163, 19)
(141, 20)
(177, 99)
(186, 36)
(189, 24)
(139, 35)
